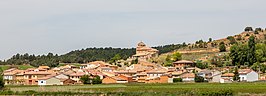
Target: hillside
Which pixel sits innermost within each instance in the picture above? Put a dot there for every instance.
(208, 51)
(81, 56)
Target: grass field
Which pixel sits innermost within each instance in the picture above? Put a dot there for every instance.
(154, 89)
(21, 67)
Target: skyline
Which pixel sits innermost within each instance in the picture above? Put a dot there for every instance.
(40, 27)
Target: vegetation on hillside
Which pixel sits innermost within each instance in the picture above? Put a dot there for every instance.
(82, 56)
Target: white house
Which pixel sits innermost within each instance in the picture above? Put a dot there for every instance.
(248, 75)
(49, 80)
(211, 75)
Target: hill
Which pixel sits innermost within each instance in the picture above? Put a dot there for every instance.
(208, 51)
(81, 56)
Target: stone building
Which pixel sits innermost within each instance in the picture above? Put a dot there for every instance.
(144, 52)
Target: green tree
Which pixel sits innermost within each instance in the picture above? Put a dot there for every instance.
(236, 77)
(115, 58)
(248, 29)
(232, 40)
(199, 79)
(136, 61)
(201, 65)
(2, 83)
(97, 80)
(210, 39)
(252, 49)
(85, 79)
(222, 47)
(176, 56)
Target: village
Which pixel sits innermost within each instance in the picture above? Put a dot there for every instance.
(142, 72)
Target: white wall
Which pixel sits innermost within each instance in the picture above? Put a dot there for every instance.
(252, 76)
(8, 77)
(41, 82)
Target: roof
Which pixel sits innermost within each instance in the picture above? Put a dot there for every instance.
(77, 74)
(37, 73)
(141, 44)
(47, 77)
(184, 62)
(99, 63)
(142, 73)
(228, 75)
(206, 71)
(117, 78)
(124, 72)
(188, 75)
(244, 71)
(44, 67)
(156, 72)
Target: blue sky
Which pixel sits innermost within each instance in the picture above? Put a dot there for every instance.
(59, 26)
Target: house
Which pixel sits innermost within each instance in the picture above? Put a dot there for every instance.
(31, 78)
(141, 77)
(76, 76)
(183, 64)
(113, 80)
(155, 73)
(227, 78)
(162, 79)
(126, 77)
(128, 72)
(105, 69)
(248, 75)
(44, 67)
(49, 80)
(211, 75)
(188, 77)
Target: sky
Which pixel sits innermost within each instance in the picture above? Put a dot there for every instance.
(59, 26)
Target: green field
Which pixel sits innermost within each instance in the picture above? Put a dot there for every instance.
(151, 89)
(21, 67)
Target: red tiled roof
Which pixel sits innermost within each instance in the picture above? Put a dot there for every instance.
(184, 62)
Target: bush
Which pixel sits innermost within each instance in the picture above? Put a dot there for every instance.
(199, 79)
(222, 47)
(178, 80)
(97, 80)
(85, 79)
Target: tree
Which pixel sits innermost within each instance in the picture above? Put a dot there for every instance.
(236, 76)
(210, 39)
(232, 40)
(258, 30)
(261, 52)
(252, 49)
(201, 65)
(199, 79)
(222, 47)
(136, 61)
(2, 83)
(248, 29)
(97, 80)
(85, 79)
(115, 58)
(176, 56)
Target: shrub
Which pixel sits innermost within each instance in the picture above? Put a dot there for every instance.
(199, 79)
(178, 80)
